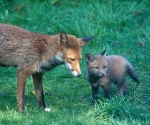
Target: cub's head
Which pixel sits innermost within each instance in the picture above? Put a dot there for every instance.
(96, 65)
(70, 51)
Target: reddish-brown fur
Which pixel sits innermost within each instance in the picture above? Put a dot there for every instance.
(33, 54)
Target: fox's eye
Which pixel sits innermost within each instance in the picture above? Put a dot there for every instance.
(72, 59)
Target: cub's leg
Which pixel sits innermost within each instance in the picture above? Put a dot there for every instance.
(95, 93)
(37, 80)
(107, 91)
(122, 88)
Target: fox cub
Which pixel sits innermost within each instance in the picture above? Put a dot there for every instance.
(102, 70)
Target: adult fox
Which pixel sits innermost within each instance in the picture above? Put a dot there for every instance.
(33, 54)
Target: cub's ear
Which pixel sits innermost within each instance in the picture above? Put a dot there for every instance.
(63, 39)
(85, 40)
(104, 53)
(89, 57)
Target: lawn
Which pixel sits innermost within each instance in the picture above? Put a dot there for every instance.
(121, 27)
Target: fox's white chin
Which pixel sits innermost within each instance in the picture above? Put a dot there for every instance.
(73, 72)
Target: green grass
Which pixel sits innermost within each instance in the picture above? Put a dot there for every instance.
(118, 26)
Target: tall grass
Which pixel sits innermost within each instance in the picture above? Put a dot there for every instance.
(121, 27)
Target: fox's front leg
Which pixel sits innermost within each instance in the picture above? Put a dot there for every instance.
(95, 93)
(37, 80)
(21, 82)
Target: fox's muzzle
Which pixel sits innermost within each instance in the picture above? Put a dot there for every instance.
(73, 71)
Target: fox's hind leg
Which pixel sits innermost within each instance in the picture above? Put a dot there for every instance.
(21, 82)
(122, 88)
(22, 75)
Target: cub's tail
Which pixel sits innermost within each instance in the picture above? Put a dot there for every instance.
(131, 72)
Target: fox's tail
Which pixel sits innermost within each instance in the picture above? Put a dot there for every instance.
(131, 72)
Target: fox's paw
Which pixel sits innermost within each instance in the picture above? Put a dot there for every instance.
(47, 109)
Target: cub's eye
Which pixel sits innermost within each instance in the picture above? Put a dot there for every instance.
(96, 67)
(104, 67)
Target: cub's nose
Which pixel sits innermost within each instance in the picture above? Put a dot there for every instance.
(103, 74)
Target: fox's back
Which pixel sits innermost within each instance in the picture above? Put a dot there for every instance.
(116, 67)
(19, 46)
(12, 37)
(9, 32)
(14, 42)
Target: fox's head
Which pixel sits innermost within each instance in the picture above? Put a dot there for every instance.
(70, 51)
(96, 65)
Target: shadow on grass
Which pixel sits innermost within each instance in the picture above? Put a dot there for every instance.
(8, 100)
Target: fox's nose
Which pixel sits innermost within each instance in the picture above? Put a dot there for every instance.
(78, 75)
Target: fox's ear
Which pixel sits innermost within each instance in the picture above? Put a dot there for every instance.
(104, 53)
(63, 39)
(85, 40)
(89, 57)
